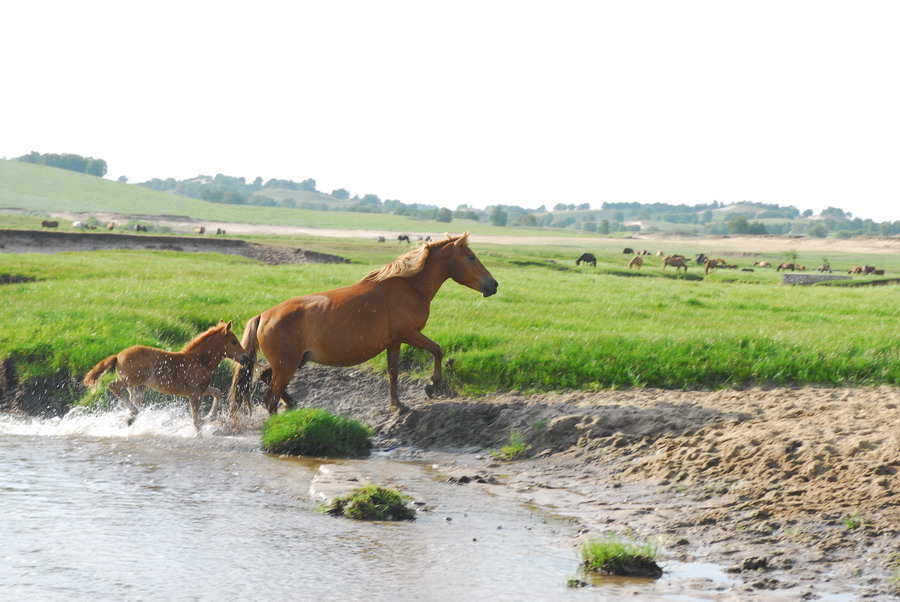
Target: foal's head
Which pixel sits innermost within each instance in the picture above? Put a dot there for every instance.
(219, 336)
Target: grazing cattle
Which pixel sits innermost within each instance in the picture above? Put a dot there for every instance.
(403, 237)
(49, 224)
(587, 258)
(762, 264)
(878, 272)
(676, 261)
(628, 251)
(855, 270)
(199, 230)
(785, 266)
(702, 258)
(825, 267)
(636, 262)
(111, 226)
(381, 239)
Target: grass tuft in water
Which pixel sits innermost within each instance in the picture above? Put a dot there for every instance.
(373, 502)
(622, 557)
(315, 432)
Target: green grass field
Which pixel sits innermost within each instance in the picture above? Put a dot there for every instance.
(551, 327)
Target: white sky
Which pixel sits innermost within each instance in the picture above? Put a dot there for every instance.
(478, 102)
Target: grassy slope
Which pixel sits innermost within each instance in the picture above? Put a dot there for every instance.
(41, 190)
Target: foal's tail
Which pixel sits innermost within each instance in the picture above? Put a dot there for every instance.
(93, 377)
(243, 373)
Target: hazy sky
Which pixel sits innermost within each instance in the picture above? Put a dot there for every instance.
(482, 102)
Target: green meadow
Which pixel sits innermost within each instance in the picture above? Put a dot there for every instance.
(552, 326)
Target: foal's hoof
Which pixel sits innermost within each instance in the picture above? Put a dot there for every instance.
(429, 390)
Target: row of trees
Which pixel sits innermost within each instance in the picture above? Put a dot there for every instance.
(86, 165)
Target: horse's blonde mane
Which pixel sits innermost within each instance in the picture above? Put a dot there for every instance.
(411, 263)
(203, 336)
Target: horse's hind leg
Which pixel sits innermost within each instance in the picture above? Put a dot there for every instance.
(281, 377)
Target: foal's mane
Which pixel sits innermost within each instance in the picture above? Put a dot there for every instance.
(202, 337)
(411, 263)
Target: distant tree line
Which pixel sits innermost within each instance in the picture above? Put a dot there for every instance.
(87, 165)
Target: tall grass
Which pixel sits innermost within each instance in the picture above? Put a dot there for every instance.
(551, 327)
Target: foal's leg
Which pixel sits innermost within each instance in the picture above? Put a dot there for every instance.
(136, 400)
(216, 397)
(419, 340)
(194, 401)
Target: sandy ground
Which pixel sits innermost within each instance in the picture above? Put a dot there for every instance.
(761, 482)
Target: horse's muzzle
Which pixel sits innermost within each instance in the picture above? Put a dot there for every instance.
(489, 287)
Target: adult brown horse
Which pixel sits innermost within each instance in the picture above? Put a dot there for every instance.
(187, 372)
(350, 325)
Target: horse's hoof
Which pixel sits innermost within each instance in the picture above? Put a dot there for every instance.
(429, 390)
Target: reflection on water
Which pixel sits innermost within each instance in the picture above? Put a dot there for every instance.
(95, 509)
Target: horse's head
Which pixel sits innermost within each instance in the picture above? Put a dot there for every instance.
(233, 348)
(466, 269)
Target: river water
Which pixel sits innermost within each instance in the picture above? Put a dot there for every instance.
(93, 509)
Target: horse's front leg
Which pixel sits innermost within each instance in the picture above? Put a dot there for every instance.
(419, 340)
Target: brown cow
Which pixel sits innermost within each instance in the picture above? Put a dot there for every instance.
(636, 262)
(676, 261)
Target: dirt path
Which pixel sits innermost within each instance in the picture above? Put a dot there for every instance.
(739, 479)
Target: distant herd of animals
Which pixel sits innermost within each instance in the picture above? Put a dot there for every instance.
(680, 262)
(112, 226)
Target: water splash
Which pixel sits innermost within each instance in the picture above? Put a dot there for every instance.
(170, 420)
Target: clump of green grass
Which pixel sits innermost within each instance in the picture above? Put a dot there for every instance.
(853, 521)
(513, 450)
(622, 557)
(315, 432)
(373, 502)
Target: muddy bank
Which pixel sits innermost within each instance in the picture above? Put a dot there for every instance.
(796, 490)
(43, 241)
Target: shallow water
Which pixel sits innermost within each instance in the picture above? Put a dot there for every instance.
(95, 509)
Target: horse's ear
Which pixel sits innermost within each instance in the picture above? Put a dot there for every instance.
(462, 239)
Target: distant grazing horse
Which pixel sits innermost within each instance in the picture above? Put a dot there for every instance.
(676, 261)
(187, 372)
(49, 224)
(762, 264)
(855, 270)
(636, 262)
(199, 230)
(79, 225)
(587, 258)
(403, 237)
(111, 226)
(381, 239)
(140, 228)
(868, 269)
(702, 258)
(628, 251)
(825, 267)
(350, 325)
(220, 231)
(785, 267)
(711, 264)
(878, 272)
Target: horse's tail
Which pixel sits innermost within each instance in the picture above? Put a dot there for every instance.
(92, 377)
(242, 379)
